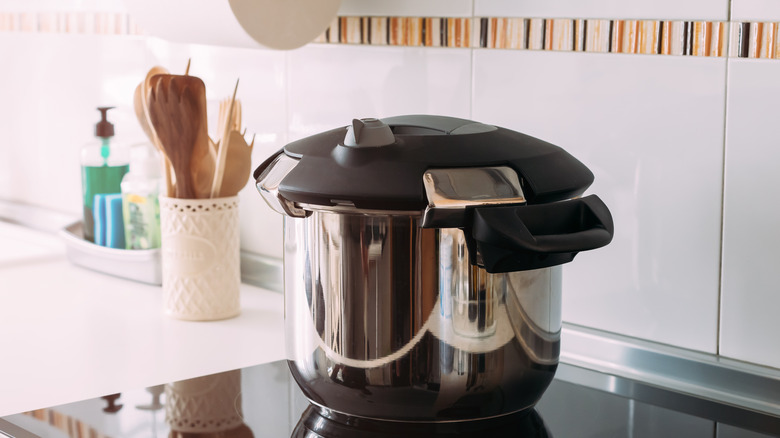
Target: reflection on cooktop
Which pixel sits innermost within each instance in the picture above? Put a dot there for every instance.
(318, 423)
(264, 401)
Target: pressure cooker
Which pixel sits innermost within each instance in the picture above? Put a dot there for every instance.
(422, 264)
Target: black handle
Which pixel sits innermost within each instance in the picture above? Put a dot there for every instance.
(526, 237)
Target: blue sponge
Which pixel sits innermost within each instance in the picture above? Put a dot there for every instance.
(115, 224)
(99, 213)
(109, 223)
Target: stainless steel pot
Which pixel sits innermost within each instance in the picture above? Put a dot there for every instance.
(446, 312)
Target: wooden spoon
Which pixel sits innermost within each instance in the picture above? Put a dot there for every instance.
(140, 114)
(144, 95)
(175, 109)
(238, 165)
(146, 89)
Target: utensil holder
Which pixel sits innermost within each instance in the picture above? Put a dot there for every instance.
(200, 258)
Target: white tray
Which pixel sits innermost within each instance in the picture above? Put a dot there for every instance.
(133, 264)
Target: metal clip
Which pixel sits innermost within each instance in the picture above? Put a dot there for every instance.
(451, 191)
(268, 185)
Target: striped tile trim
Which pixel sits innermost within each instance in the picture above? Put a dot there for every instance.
(80, 22)
(754, 40)
(653, 37)
(693, 38)
(399, 31)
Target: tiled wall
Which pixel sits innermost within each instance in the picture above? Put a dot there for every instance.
(658, 98)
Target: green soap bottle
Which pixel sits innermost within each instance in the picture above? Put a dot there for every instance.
(103, 166)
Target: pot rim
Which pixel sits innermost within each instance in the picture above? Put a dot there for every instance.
(352, 210)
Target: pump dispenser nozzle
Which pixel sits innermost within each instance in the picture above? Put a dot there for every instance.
(104, 128)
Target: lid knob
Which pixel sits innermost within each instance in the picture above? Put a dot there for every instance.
(368, 133)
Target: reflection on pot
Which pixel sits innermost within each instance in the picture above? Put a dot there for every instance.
(393, 321)
(206, 407)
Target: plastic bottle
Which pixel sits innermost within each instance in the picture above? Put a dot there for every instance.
(140, 204)
(103, 166)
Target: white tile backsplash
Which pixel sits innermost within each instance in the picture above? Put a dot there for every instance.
(755, 10)
(637, 9)
(651, 130)
(48, 112)
(750, 301)
(53, 115)
(650, 127)
(331, 85)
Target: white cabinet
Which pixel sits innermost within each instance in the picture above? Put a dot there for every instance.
(651, 130)
(749, 324)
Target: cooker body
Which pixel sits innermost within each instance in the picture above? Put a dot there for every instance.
(389, 320)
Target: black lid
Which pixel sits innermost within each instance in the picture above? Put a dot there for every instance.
(390, 176)
(104, 128)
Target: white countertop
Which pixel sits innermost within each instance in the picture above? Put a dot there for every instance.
(70, 334)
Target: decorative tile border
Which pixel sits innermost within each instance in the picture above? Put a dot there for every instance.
(693, 38)
(399, 31)
(72, 22)
(651, 37)
(754, 40)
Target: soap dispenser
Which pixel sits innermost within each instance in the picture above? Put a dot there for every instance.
(103, 165)
(140, 205)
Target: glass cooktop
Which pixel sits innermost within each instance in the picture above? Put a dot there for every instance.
(264, 401)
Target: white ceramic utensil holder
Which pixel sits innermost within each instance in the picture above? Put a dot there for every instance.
(200, 258)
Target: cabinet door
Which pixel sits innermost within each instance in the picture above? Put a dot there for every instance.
(750, 300)
(650, 128)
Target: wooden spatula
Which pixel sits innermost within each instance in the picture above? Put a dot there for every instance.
(176, 108)
(142, 112)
